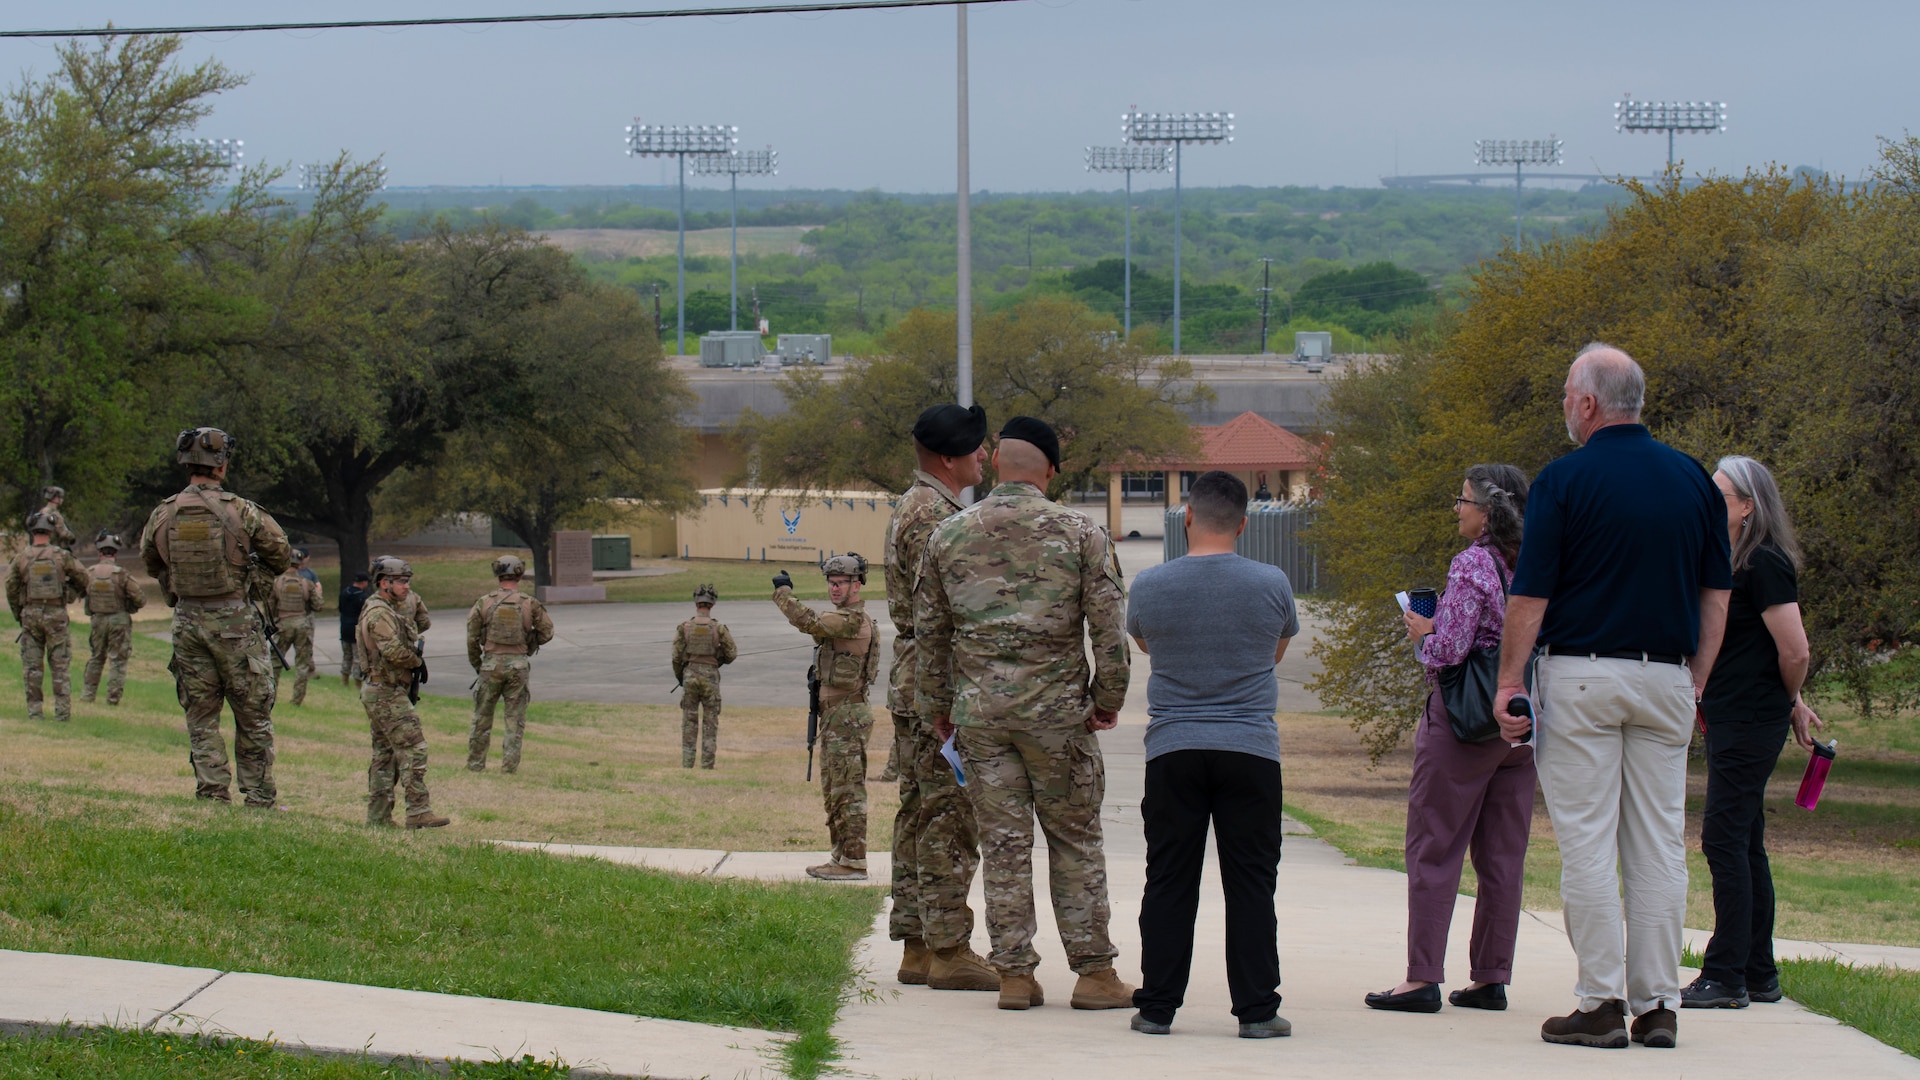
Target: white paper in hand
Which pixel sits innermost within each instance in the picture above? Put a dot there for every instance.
(1401, 599)
(953, 758)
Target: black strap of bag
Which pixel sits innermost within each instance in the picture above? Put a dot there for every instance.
(1467, 688)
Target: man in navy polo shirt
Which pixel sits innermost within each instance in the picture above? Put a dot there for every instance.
(1622, 585)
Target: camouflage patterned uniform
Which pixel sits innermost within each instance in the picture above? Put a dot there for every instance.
(112, 598)
(1005, 590)
(39, 583)
(295, 599)
(504, 629)
(414, 610)
(701, 647)
(848, 659)
(936, 842)
(62, 535)
(198, 544)
(387, 643)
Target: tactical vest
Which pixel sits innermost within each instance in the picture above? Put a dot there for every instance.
(203, 547)
(379, 672)
(843, 663)
(703, 641)
(103, 592)
(290, 595)
(44, 580)
(510, 632)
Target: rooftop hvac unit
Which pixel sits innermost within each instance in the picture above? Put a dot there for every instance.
(731, 348)
(804, 348)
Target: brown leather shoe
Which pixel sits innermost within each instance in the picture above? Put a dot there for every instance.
(1102, 990)
(1657, 1028)
(1020, 992)
(915, 959)
(427, 820)
(958, 967)
(1604, 1027)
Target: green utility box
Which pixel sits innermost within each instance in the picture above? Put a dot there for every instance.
(613, 552)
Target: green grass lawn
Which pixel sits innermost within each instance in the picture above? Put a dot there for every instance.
(216, 886)
(133, 1055)
(1883, 1002)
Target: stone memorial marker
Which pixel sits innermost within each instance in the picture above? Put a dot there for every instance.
(572, 570)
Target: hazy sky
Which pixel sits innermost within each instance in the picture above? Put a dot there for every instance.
(1324, 93)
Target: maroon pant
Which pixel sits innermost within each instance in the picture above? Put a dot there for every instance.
(1465, 794)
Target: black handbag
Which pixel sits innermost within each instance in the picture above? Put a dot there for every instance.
(1467, 688)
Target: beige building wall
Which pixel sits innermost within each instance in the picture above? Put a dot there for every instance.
(786, 526)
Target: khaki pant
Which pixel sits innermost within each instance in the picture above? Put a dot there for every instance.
(110, 643)
(502, 679)
(45, 643)
(296, 637)
(1611, 748)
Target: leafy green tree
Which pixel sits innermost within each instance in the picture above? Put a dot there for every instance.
(98, 308)
(1049, 357)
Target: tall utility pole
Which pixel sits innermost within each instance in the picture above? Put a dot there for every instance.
(1518, 152)
(963, 288)
(1693, 117)
(1176, 130)
(1266, 299)
(1129, 160)
(735, 165)
(680, 141)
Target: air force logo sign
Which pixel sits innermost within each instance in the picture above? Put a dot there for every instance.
(791, 521)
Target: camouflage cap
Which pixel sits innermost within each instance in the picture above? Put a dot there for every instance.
(386, 566)
(107, 541)
(203, 446)
(39, 522)
(706, 594)
(51, 493)
(852, 564)
(509, 566)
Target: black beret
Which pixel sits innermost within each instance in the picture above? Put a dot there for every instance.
(951, 431)
(1038, 432)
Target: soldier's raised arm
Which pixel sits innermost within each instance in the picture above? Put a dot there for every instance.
(821, 624)
(933, 640)
(1103, 600)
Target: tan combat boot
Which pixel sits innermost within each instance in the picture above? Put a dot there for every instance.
(1020, 992)
(1102, 990)
(833, 871)
(428, 820)
(958, 967)
(914, 962)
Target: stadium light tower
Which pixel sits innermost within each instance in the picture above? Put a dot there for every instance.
(1129, 160)
(216, 153)
(734, 166)
(1518, 152)
(1696, 117)
(680, 141)
(313, 176)
(1176, 130)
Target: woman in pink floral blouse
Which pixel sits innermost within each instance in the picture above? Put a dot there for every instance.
(1466, 795)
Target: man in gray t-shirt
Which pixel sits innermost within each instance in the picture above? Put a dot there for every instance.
(1214, 625)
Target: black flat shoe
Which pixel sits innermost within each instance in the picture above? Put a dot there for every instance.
(1492, 997)
(1424, 1000)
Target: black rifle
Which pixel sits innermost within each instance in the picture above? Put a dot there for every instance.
(419, 673)
(813, 716)
(270, 629)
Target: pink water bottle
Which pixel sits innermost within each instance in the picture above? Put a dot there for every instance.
(1815, 777)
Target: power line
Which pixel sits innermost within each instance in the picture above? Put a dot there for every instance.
(496, 20)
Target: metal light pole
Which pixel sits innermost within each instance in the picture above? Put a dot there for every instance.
(1518, 152)
(735, 165)
(963, 286)
(1129, 160)
(1695, 117)
(1176, 130)
(680, 141)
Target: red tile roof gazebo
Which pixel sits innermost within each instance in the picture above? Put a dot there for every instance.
(1249, 445)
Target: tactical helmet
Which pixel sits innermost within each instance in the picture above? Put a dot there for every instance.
(39, 522)
(852, 564)
(300, 555)
(107, 541)
(509, 566)
(706, 594)
(387, 566)
(203, 446)
(51, 493)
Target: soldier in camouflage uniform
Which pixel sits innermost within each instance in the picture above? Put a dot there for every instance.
(1007, 589)
(211, 550)
(112, 598)
(847, 659)
(504, 629)
(390, 648)
(701, 647)
(295, 599)
(62, 536)
(39, 583)
(936, 842)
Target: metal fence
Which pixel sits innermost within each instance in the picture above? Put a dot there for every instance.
(1275, 535)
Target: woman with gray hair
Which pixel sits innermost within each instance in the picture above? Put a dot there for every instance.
(1751, 702)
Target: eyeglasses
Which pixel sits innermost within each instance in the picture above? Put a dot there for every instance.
(1458, 500)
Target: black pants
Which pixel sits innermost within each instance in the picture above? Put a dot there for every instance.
(1240, 795)
(1741, 754)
